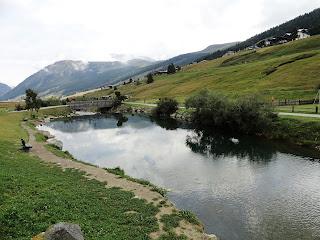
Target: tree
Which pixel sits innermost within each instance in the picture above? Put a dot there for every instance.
(171, 69)
(165, 107)
(149, 78)
(32, 101)
(118, 99)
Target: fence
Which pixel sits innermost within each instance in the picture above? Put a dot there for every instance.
(288, 102)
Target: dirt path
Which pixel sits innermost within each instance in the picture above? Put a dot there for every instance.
(144, 192)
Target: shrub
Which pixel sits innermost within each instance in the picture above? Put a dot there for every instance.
(246, 115)
(19, 107)
(165, 107)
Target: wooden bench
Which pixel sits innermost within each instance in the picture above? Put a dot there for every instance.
(25, 146)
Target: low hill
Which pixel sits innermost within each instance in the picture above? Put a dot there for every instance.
(288, 71)
(310, 21)
(4, 89)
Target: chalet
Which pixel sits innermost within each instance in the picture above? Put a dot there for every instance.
(267, 42)
(302, 34)
(229, 53)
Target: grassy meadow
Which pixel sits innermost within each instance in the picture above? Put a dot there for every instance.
(289, 71)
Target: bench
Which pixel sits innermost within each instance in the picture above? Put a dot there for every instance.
(25, 146)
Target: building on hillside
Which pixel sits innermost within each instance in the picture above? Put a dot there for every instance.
(229, 53)
(266, 42)
(302, 34)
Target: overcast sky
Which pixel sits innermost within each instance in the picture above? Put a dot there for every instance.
(36, 33)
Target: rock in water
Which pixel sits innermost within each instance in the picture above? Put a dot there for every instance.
(64, 231)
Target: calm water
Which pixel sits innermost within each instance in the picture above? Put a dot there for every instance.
(251, 190)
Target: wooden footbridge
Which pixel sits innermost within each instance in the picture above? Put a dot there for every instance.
(92, 104)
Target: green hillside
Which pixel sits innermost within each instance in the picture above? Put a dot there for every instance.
(289, 71)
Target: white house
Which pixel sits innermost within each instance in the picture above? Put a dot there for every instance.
(302, 34)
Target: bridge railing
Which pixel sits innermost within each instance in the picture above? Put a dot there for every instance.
(90, 104)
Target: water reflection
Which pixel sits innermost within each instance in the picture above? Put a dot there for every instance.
(249, 190)
(218, 145)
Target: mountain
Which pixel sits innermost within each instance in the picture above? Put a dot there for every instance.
(187, 58)
(67, 77)
(4, 89)
(310, 21)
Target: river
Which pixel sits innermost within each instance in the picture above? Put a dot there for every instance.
(251, 189)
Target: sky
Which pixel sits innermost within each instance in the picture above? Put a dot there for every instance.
(36, 33)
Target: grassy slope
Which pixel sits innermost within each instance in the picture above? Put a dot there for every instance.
(241, 74)
(34, 195)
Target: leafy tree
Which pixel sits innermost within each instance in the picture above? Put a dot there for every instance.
(171, 69)
(118, 99)
(165, 107)
(150, 78)
(246, 115)
(32, 101)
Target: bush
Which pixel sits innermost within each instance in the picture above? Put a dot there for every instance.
(165, 107)
(53, 101)
(19, 107)
(246, 115)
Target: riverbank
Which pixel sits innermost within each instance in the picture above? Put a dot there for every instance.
(296, 130)
(40, 188)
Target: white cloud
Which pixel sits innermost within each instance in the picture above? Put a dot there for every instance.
(35, 33)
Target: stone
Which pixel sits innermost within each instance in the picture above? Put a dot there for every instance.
(55, 142)
(64, 231)
(47, 134)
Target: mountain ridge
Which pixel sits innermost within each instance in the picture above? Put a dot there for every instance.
(70, 76)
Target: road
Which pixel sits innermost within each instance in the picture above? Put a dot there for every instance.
(299, 115)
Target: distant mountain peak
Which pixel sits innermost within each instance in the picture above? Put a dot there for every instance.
(4, 88)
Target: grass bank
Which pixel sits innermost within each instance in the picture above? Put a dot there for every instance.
(35, 195)
(297, 130)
